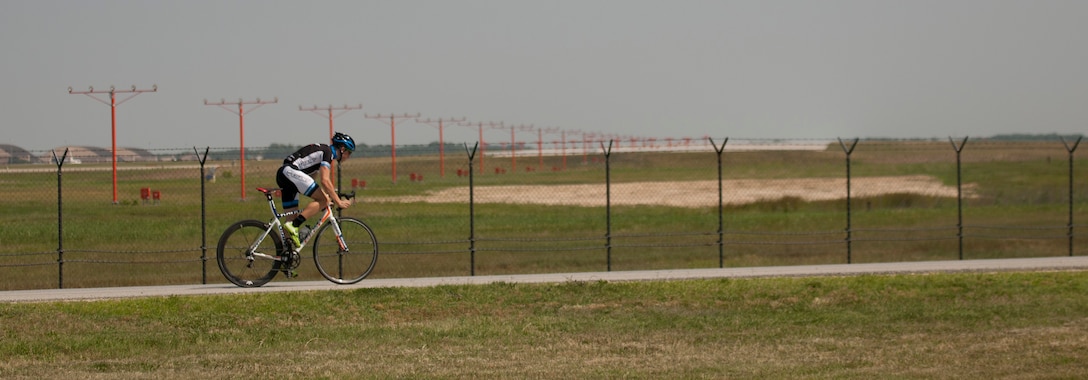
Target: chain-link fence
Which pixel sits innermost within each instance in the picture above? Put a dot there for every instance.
(588, 206)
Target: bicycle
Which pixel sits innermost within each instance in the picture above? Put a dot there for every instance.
(252, 252)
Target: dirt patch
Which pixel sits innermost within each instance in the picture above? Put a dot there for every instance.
(689, 193)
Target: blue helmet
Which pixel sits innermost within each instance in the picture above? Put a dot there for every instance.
(344, 140)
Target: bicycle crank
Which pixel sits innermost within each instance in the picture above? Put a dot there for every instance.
(290, 263)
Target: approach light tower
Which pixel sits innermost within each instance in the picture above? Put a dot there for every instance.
(393, 132)
(480, 127)
(441, 140)
(540, 143)
(564, 142)
(113, 103)
(241, 112)
(514, 144)
(330, 115)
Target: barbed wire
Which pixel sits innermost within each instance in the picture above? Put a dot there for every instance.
(426, 242)
(17, 254)
(28, 265)
(912, 229)
(550, 249)
(1007, 237)
(872, 240)
(689, 245)
(531, 240)
(461, 251)
(132, 252)
(664, 234)
(770, 233)
(995, 227)
(819, 242)
(90, 261)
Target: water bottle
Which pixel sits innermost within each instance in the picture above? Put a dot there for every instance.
(303, 232)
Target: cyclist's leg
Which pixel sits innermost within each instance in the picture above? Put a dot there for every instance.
(290, 180)
(320, 197)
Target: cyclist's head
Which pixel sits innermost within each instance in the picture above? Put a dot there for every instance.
(340, 139)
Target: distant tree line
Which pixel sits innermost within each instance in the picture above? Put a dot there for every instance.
(1034, 137)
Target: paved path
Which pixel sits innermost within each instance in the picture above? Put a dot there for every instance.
(280, 285)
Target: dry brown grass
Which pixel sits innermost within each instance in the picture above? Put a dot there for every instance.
(692, 194)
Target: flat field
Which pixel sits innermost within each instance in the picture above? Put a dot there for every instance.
(967, 325)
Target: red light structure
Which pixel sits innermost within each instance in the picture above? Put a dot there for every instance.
(241, 112)
(540, 142)
(441, 140)
(514, 144)
(113, 103)
(587, 138)
(330, 115)
(480, 126)
(393, 133)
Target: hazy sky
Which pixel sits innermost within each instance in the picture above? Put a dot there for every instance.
(737, 69)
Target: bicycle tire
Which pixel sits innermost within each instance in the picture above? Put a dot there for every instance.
(234, 259)
(349, 267)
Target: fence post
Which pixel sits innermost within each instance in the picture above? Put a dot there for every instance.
(959, 190)
(849, 228)
(721, 225)
(60, 219)
(1071, 149)
(608, 201)
(203, 218)
(471, 210)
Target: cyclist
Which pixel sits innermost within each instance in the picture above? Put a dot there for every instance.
(296, 176)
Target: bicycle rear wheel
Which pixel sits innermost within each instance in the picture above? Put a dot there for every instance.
(237, 261)
(345, 266)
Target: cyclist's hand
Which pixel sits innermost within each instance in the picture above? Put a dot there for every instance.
(344, 203)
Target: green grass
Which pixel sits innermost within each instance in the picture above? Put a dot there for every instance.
(969, 325)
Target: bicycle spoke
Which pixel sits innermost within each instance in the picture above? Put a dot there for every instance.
(350, 265)
(239, 254)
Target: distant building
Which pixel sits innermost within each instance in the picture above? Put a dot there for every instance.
(90, 154)
(11, 154)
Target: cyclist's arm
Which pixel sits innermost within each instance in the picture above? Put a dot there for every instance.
(329, 189)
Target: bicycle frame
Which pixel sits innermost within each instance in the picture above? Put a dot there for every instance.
(276, 224)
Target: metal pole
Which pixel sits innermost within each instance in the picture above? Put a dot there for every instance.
(1070, 149)
(242, 146)
(113, 140)
(242, 128)
(471, 211)
(203, 218)
(721, 223)
(849, 229)
(608, 201)
(441, 140)
(60, 220)
(540, 143)
(959, 191)
(393, 133)
(113, 103)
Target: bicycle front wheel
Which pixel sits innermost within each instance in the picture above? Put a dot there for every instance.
(351, 263)
(236, 258)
